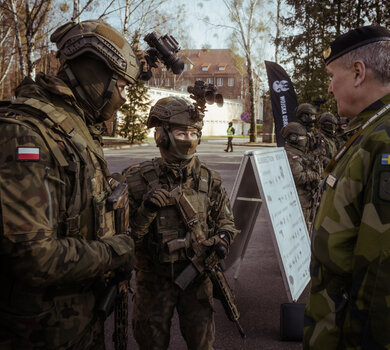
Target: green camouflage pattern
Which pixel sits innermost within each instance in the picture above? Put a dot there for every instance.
(328, 144)
(349, 301)
(305, 168)
(50, 275)
(155, 301)
(156, 295)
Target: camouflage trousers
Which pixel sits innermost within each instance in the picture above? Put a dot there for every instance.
(92, 338)
(155, 301)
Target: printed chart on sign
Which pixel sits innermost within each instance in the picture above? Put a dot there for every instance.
(290, 231)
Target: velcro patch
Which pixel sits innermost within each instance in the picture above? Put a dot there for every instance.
(385, 159)
(28, 154)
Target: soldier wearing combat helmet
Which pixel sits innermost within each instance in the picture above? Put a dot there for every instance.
(304, 165)
(348, 306)
(327, 135)
(157, 223)
(59, 238)
(306, 116)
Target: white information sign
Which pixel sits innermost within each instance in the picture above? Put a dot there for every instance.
(288, 223)
(265, 177)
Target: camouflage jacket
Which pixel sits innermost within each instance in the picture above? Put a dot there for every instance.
(306, 172)
(55, 234)
(203, 188)
(348, 306)
(329, 147)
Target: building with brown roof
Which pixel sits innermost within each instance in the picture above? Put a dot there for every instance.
(213, 66)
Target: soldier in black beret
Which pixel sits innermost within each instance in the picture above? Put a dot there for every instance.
(349, 301)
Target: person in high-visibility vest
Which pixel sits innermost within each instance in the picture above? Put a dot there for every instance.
(230, 132)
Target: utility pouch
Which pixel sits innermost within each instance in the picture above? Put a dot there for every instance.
(118, 201)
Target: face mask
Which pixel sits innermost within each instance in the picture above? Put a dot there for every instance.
(94, 78)
(328, 128)
(178, 150)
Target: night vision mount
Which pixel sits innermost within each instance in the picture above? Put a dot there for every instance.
(163, 49)
(204, 93)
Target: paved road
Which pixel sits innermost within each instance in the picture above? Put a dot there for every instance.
(259, 288)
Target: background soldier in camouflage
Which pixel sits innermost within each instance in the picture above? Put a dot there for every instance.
(57, 234)
(328, 125)
(342, 134)
(306, 116)
(348, 306)
(305, 166)
(155, 221)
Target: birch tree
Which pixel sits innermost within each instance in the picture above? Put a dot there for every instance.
(245, 16)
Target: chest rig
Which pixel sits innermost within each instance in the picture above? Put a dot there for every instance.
(79, 172)
(169, 224)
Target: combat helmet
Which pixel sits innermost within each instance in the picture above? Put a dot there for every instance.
(304, 113)
(100, 39)
(328, 123)
(295, 134)
(175, 112)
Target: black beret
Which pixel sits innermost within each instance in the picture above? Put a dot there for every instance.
(353, 39)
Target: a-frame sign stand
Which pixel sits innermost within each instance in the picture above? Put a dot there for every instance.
(264, 178)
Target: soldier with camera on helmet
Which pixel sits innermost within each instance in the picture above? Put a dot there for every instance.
(157, 224)
(59, 235)
(305, 166)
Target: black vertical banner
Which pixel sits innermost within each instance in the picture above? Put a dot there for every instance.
(283, 98)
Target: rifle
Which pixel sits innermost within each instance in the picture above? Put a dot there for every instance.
(202, 259)
(116, 297)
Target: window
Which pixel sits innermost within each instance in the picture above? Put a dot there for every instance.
(230, 81)
(219, 81)
(209, 80)
(168, 82)
(221, 68)
(205, 68)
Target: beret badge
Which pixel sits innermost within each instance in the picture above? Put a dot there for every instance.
(327, 53)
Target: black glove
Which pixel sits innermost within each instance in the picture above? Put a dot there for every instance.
(157, 199)
(219, 243)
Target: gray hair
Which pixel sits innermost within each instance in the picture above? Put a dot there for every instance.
(375, 56)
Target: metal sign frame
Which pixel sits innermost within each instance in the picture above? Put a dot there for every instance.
(265, 177)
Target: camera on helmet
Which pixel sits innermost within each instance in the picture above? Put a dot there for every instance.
(204, 93)
(164, 49)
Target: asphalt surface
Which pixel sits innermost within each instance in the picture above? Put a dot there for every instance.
(259, 288)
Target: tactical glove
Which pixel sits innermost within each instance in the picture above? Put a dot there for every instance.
(157, 199)
(219, 243)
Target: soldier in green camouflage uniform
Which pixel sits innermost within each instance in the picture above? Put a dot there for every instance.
(348, 306)
(57, 235)
(155, 221)
(327, 135)
(306, 116)
(304, 166)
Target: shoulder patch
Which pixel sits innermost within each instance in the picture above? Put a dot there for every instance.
(28, 154)
(385, 159)
(294, 157)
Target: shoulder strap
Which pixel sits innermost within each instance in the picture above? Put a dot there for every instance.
(150, 171)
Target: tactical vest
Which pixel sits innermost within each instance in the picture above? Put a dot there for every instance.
(230, 132)
(80, 169)
(169, 224)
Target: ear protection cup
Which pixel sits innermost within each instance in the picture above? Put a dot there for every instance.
(161, 137)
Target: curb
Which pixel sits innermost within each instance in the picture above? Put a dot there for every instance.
(105, 148)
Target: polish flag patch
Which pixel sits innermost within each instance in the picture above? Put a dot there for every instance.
(28, 153)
